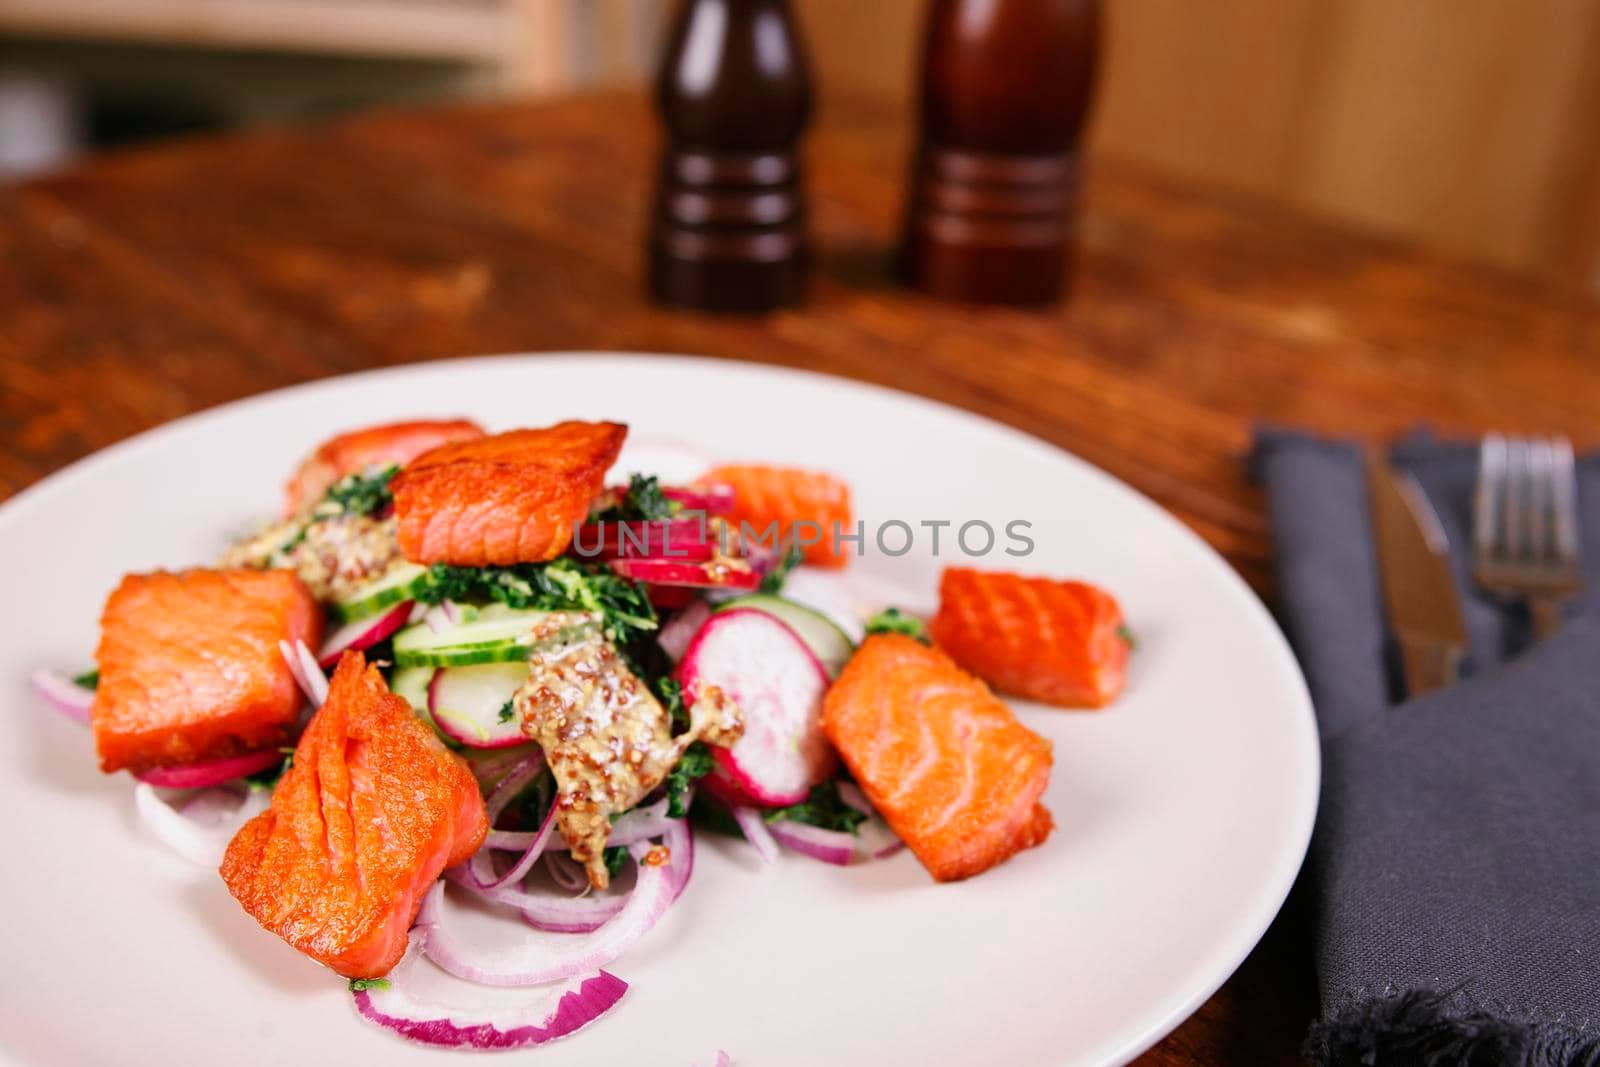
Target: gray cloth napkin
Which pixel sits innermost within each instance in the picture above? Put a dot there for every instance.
(1454, 877)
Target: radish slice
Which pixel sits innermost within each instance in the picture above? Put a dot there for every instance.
(363, 634)
(674, 540)
(829, 846)
(755, 831)
(670, 597)
(676, 635)
(63, 694)
(420, 1002)
(691, 575)
(468, 704)
(767, 670)
(533, 959)
(201, 828)
(214, 772)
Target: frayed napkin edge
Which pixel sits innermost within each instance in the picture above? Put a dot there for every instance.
(1423, 1028)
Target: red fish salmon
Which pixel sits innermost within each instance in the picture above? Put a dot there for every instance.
(190, 669)
(391, 444)
(787, 496)
(510, 498)
(373, 808)
(947, 764)
(1058, 642)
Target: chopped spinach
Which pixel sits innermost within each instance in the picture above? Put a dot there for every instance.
(696, 763)
(614, 857)
(823, 807)
(895, 621)
(362, 493)
(643, 501)
(508, 711)
(89, 679)
(358, 985)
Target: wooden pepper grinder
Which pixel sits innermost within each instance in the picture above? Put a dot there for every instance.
(729, 228)
(1006, 86)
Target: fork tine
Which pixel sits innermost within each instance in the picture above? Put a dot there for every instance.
(1489, 500)
(1514, 507)
(1541, 499)
(1564, 485)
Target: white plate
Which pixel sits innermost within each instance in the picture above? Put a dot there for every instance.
(1182, 813)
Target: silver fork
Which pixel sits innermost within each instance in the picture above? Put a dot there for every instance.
(1525, 525)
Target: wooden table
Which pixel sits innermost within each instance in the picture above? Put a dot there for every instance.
(143, 286)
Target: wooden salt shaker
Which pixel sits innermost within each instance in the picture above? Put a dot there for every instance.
(1006, 86)
(729, 225)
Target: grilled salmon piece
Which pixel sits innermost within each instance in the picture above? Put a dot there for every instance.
(190, 669)
(948, 766)
(1057, 642)
(786, 496)
(372, 810)
(391, 444)
(510, 498)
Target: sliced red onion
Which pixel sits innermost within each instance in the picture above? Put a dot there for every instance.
(675, 636)
(63, 694)
(829, 846)
(509, 840)
(436, 618)
(213, 772)
(755, 831)
(874, 839)
(557, 914)
(566, 873)
(535, 960)
(718, 1059)
(641, 824)
(519, 870)
(362, 634)
(200, 830)
(492, 765)
(419, 1006)
(313, 683)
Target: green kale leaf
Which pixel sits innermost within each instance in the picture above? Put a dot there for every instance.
(89, 679)
(773, 582)
(642, 502)
(895, 621)
(362, 493)
(560, 585)
(823, 807)
(696, 763)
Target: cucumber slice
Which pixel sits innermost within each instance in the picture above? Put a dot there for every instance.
(469, 704)
(826, 641)
(402, 583)
(497, 635)
(412, 683)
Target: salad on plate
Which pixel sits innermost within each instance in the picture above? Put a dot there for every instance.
(451, 724)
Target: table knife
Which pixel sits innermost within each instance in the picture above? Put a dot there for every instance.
(1419, 589)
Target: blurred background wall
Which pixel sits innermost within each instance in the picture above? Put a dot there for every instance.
(1472, 126)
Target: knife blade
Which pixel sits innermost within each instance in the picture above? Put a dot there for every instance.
(1419, 590)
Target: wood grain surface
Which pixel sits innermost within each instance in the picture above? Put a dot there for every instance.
(147, 285)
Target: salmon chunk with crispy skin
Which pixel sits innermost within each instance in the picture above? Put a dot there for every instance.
(1053, 641)
(949, 767)
(510, 498)
(392, 444)
(190, 669)
(373, 808)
